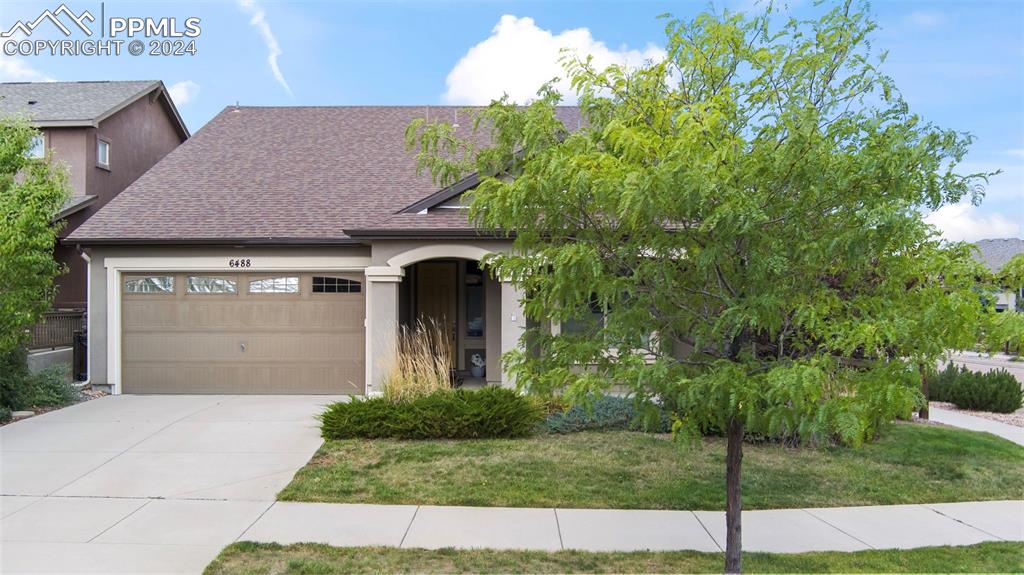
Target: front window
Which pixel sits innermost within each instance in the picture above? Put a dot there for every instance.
(287, 284)
(211, 285)
(589, 323)
(103, 153)
(474, 300)
(38, 147)
(149, 284)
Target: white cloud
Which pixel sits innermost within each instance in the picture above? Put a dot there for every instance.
(14, 69)
(259, 21)
(965, 222)
(926, 18)
(183, 92)
(518, 57)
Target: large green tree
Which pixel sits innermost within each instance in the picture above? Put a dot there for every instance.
(32, 191)
(746, 214)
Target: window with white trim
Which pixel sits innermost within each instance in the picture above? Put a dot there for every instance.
(38, 147)
(284, 284)
(149, 284)
(211, 285)
(103, 153)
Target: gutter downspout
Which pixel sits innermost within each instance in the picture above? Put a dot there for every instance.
(88, 316)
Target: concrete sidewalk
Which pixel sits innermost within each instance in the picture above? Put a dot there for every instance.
(133, 535)
(965, 421)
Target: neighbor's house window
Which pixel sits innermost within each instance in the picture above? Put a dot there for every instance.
(38, 148)
(288, 284)
(149, 284)
(103, 153)
(327, 284)
(211, 284)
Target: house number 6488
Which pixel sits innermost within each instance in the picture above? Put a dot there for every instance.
(240, 263)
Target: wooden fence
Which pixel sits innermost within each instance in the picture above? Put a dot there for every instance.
(56, 330)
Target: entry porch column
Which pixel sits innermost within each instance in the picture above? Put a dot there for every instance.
(512, 325)
(381, 323)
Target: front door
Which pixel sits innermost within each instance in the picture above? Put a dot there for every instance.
(436, 296)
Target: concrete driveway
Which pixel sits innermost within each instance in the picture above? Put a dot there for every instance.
(139, 484)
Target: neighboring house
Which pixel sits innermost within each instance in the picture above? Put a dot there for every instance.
(107, 134)
(279, 250)
(995, 253)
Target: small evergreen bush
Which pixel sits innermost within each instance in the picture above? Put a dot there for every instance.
(491, 412)
(608, 412)
(5, 414)
(997, 390)
(52, 387)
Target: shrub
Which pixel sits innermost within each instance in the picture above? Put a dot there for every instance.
(444, 414)
(421, 363)
(5, 414)
(52, 387)
(15, 389)
(20, 389)
(608, 412)
(997, 390)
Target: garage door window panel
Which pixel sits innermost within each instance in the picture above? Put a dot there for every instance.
(197, 285)
(330, 284)
(149, 285)
(276, 285)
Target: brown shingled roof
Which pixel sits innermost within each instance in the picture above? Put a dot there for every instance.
(276, 175)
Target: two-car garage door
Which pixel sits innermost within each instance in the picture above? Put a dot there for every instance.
(238, 333)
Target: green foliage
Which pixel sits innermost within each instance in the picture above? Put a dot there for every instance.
(20, 389)
(491, 412)
(52, 387)
(997, 390)
(5, 414)
(608, 412)
(32, 192)
(15, 388)
(755, 201)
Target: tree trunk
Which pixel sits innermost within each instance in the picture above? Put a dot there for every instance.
(923, 412)
(733, 503)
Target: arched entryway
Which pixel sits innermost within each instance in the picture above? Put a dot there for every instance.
(442, 282)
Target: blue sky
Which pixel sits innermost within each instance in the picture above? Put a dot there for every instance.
(959, 64)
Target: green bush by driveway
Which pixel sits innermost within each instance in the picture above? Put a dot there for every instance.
(444, 414)
(911, 463)
(997, 390)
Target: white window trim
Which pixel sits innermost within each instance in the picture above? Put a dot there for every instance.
(219, 263)
(99, 162)
(42, 138)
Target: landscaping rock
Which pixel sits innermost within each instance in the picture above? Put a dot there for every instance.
(16, 415)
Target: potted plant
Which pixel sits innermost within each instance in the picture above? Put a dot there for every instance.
(479, 367)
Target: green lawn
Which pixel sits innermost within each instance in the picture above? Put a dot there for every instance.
(910, 464)
(257, 558)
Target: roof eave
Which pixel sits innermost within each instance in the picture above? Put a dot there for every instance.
(274, 241)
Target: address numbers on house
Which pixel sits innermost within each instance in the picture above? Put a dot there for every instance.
(247, 263)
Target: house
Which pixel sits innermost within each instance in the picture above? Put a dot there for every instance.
(995, 253)
(280, 249)
(107, 134)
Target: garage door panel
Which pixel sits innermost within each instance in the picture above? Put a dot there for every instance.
(243, 343)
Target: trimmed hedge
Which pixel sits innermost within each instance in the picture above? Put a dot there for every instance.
(20, 389)
(491, 412)
(608, 412)
(997, 390)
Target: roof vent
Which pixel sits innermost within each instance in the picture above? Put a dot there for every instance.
(32, 102)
